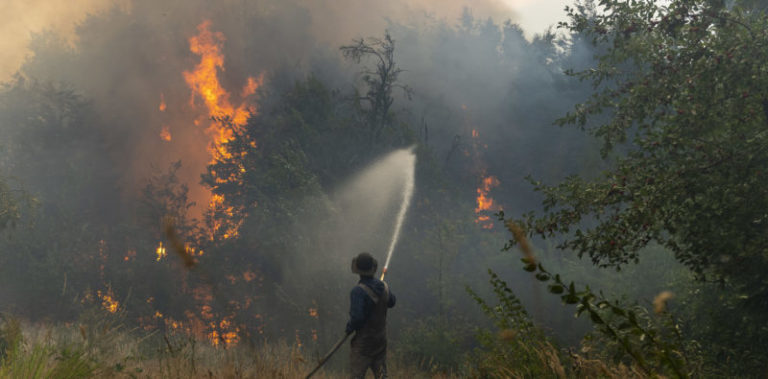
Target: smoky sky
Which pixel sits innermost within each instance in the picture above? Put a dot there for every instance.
(334, 21)
(129, 56)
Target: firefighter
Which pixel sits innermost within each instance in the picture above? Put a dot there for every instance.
(369, 301)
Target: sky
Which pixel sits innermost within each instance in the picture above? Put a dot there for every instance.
(20, 19)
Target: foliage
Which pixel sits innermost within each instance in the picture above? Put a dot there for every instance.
(680, 106)
(436, 344)
(654, 346)
(684, 84)
(107, 350)
(519, 349)
(20, 359)
(164, 196)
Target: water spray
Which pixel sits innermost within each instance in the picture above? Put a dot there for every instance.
(410, 173)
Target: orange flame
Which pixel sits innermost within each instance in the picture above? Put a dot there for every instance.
(249, 275)
(165, 133)
(212, 101)
(204, 82)
(108, 301)
(485, 203)
(160, 251)
(252, 85)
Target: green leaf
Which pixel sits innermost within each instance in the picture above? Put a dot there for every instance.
(556, 289)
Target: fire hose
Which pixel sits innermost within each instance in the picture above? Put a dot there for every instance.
(330, 353)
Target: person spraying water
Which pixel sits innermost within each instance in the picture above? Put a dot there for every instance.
(370, 298)
(369, 301)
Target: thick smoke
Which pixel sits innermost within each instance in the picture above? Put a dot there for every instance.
(127, 57)
(484, 101)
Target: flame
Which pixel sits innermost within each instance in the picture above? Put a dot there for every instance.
(204, 83)
(165, 133)
(485, 203)
(108, 301)
(160, 251)
(252, 85)
(313, 312)
(221, 114)
(248, 276)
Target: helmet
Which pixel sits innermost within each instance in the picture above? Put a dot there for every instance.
(364, 264)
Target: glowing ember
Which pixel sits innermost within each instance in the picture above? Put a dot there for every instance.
(313, 312)
(475, 134)
(160, 251)
(165, 134)
(248, 276)
(162, 106)
(108, 301)
(298, 339)
(485, 203)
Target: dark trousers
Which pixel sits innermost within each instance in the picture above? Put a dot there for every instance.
(359, 364)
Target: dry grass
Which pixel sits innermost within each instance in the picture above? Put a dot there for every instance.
(104, 350)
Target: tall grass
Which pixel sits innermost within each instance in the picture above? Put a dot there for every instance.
(100, 347)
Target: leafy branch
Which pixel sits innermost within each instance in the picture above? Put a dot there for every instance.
(633, 331)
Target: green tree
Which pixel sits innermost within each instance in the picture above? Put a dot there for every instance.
(681, 108)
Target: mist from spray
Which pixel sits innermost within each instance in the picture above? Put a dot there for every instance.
(409, 173)
(366, 212)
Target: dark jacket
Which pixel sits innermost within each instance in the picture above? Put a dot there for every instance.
(361, 304)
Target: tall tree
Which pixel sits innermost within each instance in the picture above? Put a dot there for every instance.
(681, 107)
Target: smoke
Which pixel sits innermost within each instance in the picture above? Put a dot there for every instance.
(21, 18)
(468, 73)
(332, 22)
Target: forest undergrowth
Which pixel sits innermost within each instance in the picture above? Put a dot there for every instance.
(99, 346)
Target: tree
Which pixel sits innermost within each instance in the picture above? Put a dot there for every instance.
(9, 206)
(681, 107)
(376, 104)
